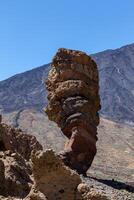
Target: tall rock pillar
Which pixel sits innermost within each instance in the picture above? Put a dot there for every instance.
(74, 102)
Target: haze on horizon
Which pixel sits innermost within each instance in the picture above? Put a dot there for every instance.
(32, 31)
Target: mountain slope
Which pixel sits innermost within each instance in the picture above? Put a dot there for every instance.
(116, 69)
(24, 90)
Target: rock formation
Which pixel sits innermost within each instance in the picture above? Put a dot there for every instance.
(15, 153)
(74, 102)
(14, 140)
(14, 175)
(27, 172)
(53, 178)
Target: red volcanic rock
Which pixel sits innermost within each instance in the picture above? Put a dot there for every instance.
(74, 102)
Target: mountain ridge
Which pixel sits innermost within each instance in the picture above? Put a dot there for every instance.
(43, 65)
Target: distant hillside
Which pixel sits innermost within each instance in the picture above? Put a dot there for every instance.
(116, 69)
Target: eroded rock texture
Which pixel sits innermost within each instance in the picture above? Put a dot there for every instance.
(74, 102)
(15, 171)
(53, 178)
(15, 178)
(27, 172)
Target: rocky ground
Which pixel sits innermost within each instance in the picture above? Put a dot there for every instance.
(114, 189)
(27, 172)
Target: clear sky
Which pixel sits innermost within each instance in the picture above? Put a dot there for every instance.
(32, 30)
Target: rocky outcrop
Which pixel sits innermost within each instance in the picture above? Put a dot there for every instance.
(27, 172)
(74, 102)
(53, 178)
(15, 152)
(15, 175)
(88, 193)
(16, 141)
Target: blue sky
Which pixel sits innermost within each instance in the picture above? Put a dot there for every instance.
(32, 30)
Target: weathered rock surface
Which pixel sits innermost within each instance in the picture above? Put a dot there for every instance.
(27, 173)
(16, 141)
(15, 152)
(15, 175)
(40, 176)
(53, 178)
(91, 193)
(74, 102)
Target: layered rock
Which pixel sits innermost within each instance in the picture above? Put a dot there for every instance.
(74, 102)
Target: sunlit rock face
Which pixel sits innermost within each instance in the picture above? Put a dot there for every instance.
(15, 153)
(74, 102)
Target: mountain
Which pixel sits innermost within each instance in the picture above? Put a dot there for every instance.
(25, 90)
(116, 70)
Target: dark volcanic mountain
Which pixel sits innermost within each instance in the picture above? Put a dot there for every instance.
(116, 69)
